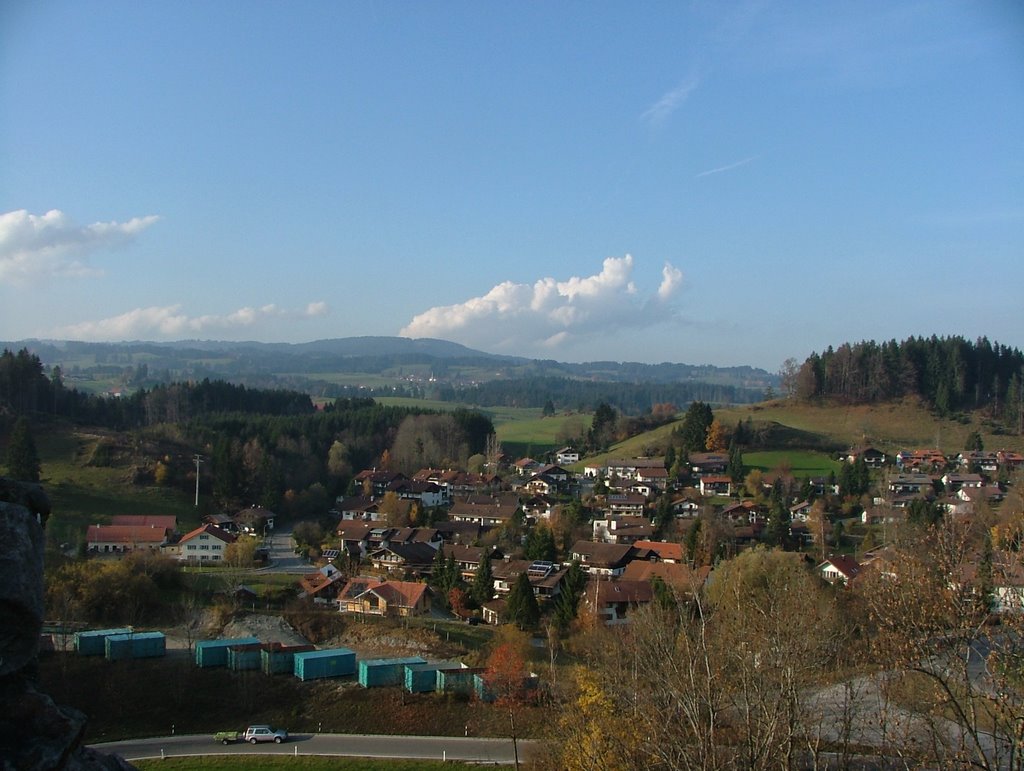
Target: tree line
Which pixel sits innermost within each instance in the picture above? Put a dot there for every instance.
(949, 374)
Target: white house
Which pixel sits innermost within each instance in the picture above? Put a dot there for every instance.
(204, 544)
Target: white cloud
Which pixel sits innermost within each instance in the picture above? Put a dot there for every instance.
(520, 318)
(39, 246)
(671, 280)
(671, 101)
(168, 322)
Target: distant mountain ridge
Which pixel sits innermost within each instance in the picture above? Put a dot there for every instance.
(248, 360)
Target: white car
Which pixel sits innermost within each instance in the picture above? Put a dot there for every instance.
(264, 733)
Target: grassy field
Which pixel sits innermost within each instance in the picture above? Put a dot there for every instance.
(890, 427)
(800, 464)
(295, 763)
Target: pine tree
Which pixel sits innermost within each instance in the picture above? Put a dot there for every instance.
(439, 574)
(735, 467)
(521, 607)
(778, 522)
(483, 582)
(22, 459)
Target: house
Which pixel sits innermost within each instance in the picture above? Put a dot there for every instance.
(628, 468)
(625, 503)
(921, 460)
(460, 532)
(872, 456)
(540, 484)
(223, 521)
(539, 507)
(911, 484)
(714, 484)
(745, 511)
(254, 519)
(493, 611)
(526, 466)
(612, 601)
(567, 456)
(602, 558)
(560, 476)
(414, 558)
(1010, 460)
(428, 495)
(824, 486)
(488, 510)
(622, 529)
(655, 478)
(358, 507)
(374, 482)
(840, 568)
(468, 558)
(207, 543)
(684, 508)
(323, 585)
(373, 597)
(976, 459)
(799, 512)
(708, 463)
(658, 551)
(121, 539)
(545, 577)
(953, 482)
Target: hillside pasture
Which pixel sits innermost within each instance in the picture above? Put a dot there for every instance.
(85, 492)
(798, 463)
(891, 427)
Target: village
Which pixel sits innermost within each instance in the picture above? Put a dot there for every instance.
(375, 560)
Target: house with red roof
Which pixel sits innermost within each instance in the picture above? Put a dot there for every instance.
(207, 543)
(121, 539)
(374, 597)
(839, 568)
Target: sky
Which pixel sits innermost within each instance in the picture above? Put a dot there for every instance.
(726, 183)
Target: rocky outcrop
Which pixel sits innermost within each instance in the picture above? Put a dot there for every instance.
(35, 734)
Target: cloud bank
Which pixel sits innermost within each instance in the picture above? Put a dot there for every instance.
(49, 245)
(168, 322)
(551, 314)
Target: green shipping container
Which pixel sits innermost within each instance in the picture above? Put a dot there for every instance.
(333, 662)
(214, 653)
(422, 678)
(135, 645)
(93, 643)
(374, 673)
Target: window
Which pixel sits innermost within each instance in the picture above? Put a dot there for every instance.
(191, 547)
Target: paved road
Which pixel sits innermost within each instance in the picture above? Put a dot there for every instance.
(473, 750)
(282, 555)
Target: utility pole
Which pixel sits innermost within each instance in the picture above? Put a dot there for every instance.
(198, 459)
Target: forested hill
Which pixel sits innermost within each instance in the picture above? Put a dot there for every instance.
(950, 374)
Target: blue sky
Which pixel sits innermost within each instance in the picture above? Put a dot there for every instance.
(698, 182)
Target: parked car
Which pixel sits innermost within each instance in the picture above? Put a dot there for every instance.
(264, 733)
